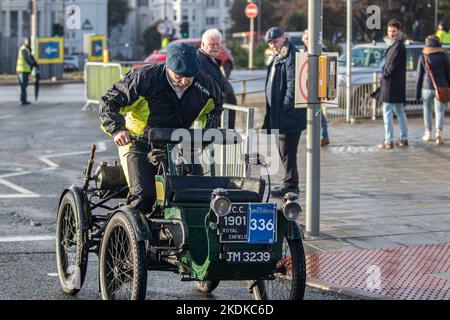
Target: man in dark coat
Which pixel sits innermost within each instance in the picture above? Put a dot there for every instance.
(207, 56)
(281, 113)
(393, 87)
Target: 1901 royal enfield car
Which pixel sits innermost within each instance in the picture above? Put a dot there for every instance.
(206, 228)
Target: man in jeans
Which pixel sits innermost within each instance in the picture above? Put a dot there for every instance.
(393, 87)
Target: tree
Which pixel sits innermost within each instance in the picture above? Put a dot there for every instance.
(268, 11)
(296, 21)
(151, 39)
(118, 11)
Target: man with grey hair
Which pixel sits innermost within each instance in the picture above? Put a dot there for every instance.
(207, 56)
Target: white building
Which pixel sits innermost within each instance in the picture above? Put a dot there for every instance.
(201, 15)
(15, 20)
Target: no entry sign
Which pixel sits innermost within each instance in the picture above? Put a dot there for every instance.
(251, 10)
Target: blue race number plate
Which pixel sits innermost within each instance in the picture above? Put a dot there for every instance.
(262, 223)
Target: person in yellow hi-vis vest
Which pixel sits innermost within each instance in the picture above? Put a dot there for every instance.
(443, 33)
(25, 64)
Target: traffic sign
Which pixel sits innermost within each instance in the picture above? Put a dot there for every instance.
(301, 79)
(251, 10)
(73, 17)
(164, 28)
(97, 45)
(50, 50)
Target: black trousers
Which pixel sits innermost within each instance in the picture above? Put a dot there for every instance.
(287, 147)
(140, 175)
(23, 82)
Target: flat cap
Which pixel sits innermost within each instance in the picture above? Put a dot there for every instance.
(273, 33)
(182, 59)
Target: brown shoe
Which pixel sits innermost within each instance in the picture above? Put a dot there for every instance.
(402, 143)
(386, 145)
(324, 142)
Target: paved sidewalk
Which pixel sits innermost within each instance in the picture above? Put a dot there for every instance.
(381, 203)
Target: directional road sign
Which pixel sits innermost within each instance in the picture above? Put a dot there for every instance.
(50, 50)
(97, 45)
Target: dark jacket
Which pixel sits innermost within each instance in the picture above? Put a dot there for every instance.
(212, 68)
(144, 99)
(393, 75)
(281, 112)
(440, 67)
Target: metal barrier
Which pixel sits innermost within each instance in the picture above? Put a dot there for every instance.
(363, 105)
(98, 78)
(243, 94)
(230, 155)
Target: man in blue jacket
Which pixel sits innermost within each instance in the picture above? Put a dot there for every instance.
(281, 113)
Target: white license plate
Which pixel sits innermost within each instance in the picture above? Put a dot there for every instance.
(247, 256)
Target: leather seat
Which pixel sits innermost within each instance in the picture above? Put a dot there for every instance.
(198, 189)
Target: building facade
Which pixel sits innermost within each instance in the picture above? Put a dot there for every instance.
(200, 15)
(15, 20)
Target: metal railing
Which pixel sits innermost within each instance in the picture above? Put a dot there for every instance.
(230, 155)
(366, 107)
(244, 92)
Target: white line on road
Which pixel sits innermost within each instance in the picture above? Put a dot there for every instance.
(27, 238)
(6, 116)
(24, 193)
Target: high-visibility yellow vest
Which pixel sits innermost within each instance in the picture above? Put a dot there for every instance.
(443, 36)
(22, 65)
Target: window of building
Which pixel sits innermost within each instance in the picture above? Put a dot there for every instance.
(14, 23)
(185, 15)
(26, 24)
(211, 21)
(211, 3)
(142, 3)
(2, 22)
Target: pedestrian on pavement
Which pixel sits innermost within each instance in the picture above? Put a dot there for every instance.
(393, 86)
(24, 66)
(324, 138)
(208, 59)
(170, 95)
(443, 33)
(281, 113)
(433, 70)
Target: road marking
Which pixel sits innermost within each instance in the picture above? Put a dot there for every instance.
(27, 238)
(24, 193)
(6, 116)
(52, 274)
(353, 149)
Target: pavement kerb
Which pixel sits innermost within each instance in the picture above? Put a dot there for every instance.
(42, 82)
(332, 287)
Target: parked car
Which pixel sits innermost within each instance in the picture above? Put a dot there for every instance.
(225, 56)
(71, 63)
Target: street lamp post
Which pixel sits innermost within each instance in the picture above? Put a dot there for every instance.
(313, 122)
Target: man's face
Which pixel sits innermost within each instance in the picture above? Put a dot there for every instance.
(179, 81)
(212, 46)
(276, 44)
(305, 38)
(392, 32)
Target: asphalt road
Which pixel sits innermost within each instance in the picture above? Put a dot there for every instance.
(44, 149)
